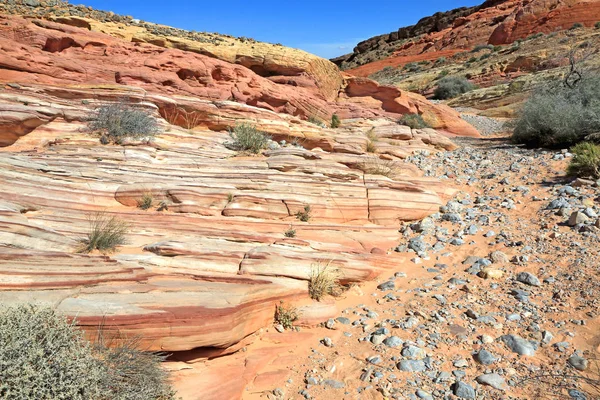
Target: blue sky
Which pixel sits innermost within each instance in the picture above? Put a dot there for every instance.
(327, 28)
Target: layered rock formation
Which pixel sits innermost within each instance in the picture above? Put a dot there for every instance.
(494, 22)
(205, 266)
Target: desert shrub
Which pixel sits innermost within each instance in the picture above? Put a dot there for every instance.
(452, 86)
(118, 121)
(440, 61)
(105, 234)
(535, 36)
(146, 202)
(472, 60)
(246, 137)
(412, 67)
(286, 315)
(585, 161)
(335, 121)
(377, 166)
(496, 49)
(485, 56)
(559, 116)
(414, 121)
(597, 25)
(305, 214)
(290, 233)
(45, 357)
(324, 280)
(442, 74)
(576, 25)
(480, 47)
(316, 121)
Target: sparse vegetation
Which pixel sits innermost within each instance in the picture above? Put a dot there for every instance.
(286, 315)
(559, 115)
(481, 47)
(117, 121)
(335, 121)
(146, 202)
(316, 121)
(44, 356)
(452, 86)
(414, 121)
(105, 234)
(576, 25)
(324, 280)
(371, 147)
(181, 117)
(597, 25)
(305, 214)
(586, 160)
(290, 233)
(377, 166)
(246, 137)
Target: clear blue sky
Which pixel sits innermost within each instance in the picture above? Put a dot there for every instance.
(327, 28)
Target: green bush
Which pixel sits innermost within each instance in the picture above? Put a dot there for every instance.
(414, 121)
(105, 234)
(558, 116)
(480, 47)
(335, 121)
(597, 25)
(118, 121)
(452, 86)
(246, 137)
(44, 357)
(576, 25)
(585, 161)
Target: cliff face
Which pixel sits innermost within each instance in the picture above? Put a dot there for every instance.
(493, 22)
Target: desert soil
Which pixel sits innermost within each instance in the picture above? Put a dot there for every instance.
(495, 296)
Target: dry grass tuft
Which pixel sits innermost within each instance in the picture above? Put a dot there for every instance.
(324, 280)
(377, 166)
(146, 202)
(106, 233)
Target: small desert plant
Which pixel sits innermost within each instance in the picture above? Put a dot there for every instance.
(118, 121)
(286, 315)
(146, 202)
(290, 233)
(335, 121)
(246, 137)
(597, 25)
(585, 161)
(377, 166)
(559, 115)
(305, 214)
(576, 25)
(414, 121)
(497, 48)
(442, 74)
(44, 356)
(480, 47)
(371, 147)
(324, 280)
(316, 121)
(452, 86)
(106, 233)
(181, 117)
(229, 197)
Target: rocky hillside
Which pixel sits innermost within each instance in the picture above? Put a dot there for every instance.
(495, 22)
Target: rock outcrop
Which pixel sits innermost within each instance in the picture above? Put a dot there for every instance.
(204, 267)
(496, 22)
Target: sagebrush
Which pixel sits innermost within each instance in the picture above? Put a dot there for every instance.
(414, 121)
(43, 356)
(560, 116)
(246, 137)
(335, 121)
(453, 86)
(118, 121)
